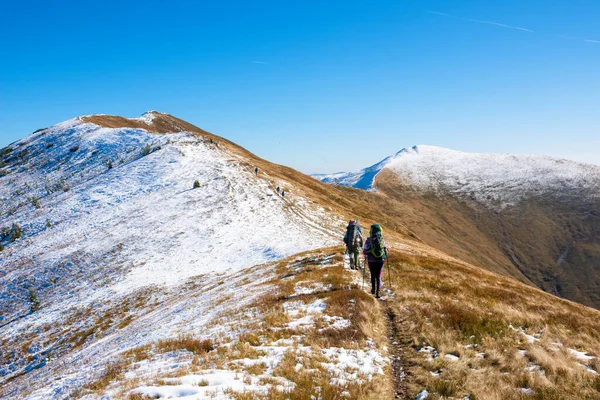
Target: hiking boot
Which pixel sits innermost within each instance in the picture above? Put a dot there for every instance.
(372, 291)
(377, 295)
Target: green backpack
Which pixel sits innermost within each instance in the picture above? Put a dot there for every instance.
(377, 248)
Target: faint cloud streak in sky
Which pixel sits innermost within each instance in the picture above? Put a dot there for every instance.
(511, 27)
(498, 24)
(579, 39)
(481, 21)
(260, 62)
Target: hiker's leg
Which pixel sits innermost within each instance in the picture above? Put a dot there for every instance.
(351, 252)
(378, 275)
(373, 275)
(355, 258)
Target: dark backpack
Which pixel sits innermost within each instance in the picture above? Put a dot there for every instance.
(351, 235)
(377, 248)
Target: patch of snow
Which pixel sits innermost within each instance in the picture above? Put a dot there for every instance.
(430, 351)
(580, 355)
(300, 289)
(337, 322)
(147, 117)
(213, 383)
(302, 323)
(423, 394)
(349, 365)
(451, 357)
(529, 338)
(588, 368)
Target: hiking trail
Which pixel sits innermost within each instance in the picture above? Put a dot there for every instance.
(399, 342)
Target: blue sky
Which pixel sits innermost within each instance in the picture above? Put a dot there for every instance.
(321, 86)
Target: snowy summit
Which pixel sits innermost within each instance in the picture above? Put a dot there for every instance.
(504, 178)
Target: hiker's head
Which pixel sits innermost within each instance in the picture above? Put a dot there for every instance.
(375, 229)
(351, 222)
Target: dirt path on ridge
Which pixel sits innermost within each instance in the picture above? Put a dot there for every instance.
(399, 342)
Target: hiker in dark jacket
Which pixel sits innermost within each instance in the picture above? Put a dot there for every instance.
(354, 242)
(376, 252)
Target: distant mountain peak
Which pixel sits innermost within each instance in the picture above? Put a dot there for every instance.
(492, 179)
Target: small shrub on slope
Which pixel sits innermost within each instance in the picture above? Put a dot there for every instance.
(185, 342)
(146, 150)
(15, 232)
(35, 202)
(34, 301)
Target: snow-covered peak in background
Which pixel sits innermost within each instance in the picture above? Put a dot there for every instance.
(362, 179)
(498, 179)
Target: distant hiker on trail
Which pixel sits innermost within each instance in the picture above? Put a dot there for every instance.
(278, 189)
(256, 170)
(376, 252)
(354, 242)
(283, 193)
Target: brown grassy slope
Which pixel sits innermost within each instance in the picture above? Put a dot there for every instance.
(162, 123)
(524, 241)
(479, 316)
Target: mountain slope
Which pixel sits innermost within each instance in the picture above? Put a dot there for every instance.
(119, 278)
(105, 214)
(533, 218)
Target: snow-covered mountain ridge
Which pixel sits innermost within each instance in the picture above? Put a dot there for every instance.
(497, 179)
(92, 215)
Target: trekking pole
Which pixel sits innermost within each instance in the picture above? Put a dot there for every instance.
(387, 262)
(364, 268)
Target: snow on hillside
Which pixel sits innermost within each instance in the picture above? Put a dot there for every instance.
(91, 215)
(494, 179)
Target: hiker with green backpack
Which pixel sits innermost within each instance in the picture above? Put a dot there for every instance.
(376, 252)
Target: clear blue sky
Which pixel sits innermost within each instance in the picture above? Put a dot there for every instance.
(320, 86)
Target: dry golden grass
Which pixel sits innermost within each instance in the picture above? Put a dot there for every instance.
(113, 372)
(265, 321)
(185, 342)
(451, 306)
